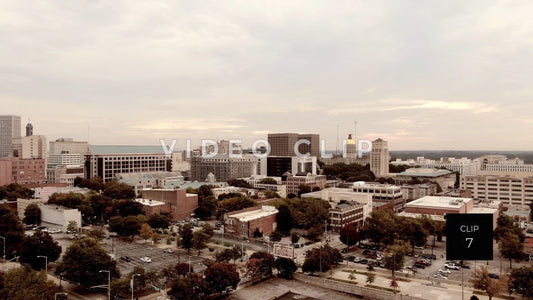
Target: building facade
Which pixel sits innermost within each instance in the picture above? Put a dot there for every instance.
(68, 145)
(379, 158)
(278, 165)
(293, 182)
(223, 167)
(22, 171)
(510, 190)
(246, 221)
(282, 144)
(346, 213)
(179, 204)
(381, 193)
(107, 166)
(9, 129)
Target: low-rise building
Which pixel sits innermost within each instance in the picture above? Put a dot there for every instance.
(416, 191)
(345, 213)
(312, 181)
(246, 221)
(381, 193)
(154, 207)
(22, 171)
(180, 203)
(511, 190)
(232, 189)
(444, 178)
(59, 216)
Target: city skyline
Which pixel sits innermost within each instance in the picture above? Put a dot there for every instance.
(448, 76)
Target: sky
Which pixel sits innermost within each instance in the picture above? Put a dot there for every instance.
(423, 75)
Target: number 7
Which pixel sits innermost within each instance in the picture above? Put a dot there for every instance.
(470, 243)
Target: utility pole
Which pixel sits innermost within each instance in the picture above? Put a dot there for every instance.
(108, 282)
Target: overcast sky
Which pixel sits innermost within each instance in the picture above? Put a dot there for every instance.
(420, 74)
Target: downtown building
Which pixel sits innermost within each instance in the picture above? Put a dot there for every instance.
(381, 194)
(9, 130)
(511, 190)
(223, 166)
(379, 158)
(107, 166)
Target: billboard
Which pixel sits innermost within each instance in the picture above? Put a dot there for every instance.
(283, 251)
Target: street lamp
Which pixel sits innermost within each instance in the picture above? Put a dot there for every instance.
(45, 262)
(4, 239)
(108, 282)
(55, 295)
(133, 284)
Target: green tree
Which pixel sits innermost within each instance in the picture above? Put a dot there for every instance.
(521, 281)
(117, 190)
(350, 234)
(261, 266)
(11, 229)
(130, 226)
(83, 261)
(481, 281)
(228, 254)
(240, 183)
(39, 244)
(191, 287)
(145, 232)
(24, 283)
(395, 259)
(268, 180)
(286, 267)
(14, 191)
(381, 227)
(221, 277)
(95, 184)
(321, 259)
(199, 240)
(510, 247)
(206, 207)
(303, 189)
(158, 221)
(116, 223)
(276, 236)
(186, 237)
(233, 204)
(72, 226)
(32, 214)
(96, 233)
(412, 231)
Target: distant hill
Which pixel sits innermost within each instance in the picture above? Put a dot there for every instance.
(527, 156)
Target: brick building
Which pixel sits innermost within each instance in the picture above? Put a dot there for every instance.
(244, 222)
(178, 204)
(22, 171)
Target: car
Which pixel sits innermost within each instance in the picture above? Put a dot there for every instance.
(420, 266)
(452, 266)
(366, 252)
(465, 266)
(440, 276)
(445, 271)
(53, 230)
(30, 227)
(168, 250)
(363, 261)
(350, 257)
(344, 250)
(42, 228)
(146, 259)
(125, 259)
(494, 276)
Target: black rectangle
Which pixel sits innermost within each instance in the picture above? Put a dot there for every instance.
(469, 236)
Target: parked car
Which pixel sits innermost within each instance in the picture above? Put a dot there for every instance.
(363, 261)
(42, 228)
(445, 271)
(420, 266)
(146, 259)
(350, 257)
(451, 266)
(53, 230)
(494, 276)
(440, 276)
(125, 259)
(168, 250)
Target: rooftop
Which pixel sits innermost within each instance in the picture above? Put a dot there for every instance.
(262, 212)
(425, 172)
(149, 202)
(439, 202)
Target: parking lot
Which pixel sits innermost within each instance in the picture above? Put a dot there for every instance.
(159, 258)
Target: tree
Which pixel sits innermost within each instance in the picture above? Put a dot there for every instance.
(233, 204)
(411, 230)
(240, 183)
(303, 189)
(510, 247)
(370, 278)
(183, 269)
(295, 237)
(99, 203)
(124, 208)
(506, 224)
(95, 183)
(206, 206)
(72, 227)
(39, 244)
(158, 221)
(13, 191)
(268, 180)
(96, 233)
(83, 261)
(481, 281)
(199, 240)
(351, 234)
(220, 277)
(130, 226)
(75, 201)
(11, 229)
(32, 214)
(228, 254)
(380, 227)
(321, 259)
(257, 233)
(395, 259)
(521, 281)
(146, 232)
(260, 265)
(115, 224)
(284, 219)
(315, 232)
(286, 267)
(186, 237)
(191, 287)
(117, 190)
(24, 283)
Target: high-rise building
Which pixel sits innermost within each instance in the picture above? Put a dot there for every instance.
(351, 148)
(68, 145)
(282, 144)
(106, 166)
(9, 129)
(32, 146)
(29, 129)
(379, 158)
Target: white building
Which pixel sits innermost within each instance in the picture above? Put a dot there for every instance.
(68, 145)
(9, 129)
(379, 158)
(30, 147)
(381, 193)
(59, 216)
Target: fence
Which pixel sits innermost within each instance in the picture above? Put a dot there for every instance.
(365, 292)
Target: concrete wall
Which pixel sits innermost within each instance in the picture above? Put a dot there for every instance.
(59, 216)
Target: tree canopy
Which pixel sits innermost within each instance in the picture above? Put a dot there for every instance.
(39, 244)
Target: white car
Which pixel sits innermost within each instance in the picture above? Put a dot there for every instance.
(168, 250)
(451, 266)
(146, 259)
(439, 275)
(53, 230)
(445, 271)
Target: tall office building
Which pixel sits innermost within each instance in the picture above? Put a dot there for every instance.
(282, 144)
(9, 129)
(29, 129)
(68, 145)
(106, 166)
(379, 158)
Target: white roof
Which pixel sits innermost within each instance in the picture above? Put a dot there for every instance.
(439, 202)
(482, 210)
(247, 216)
(149, 202)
